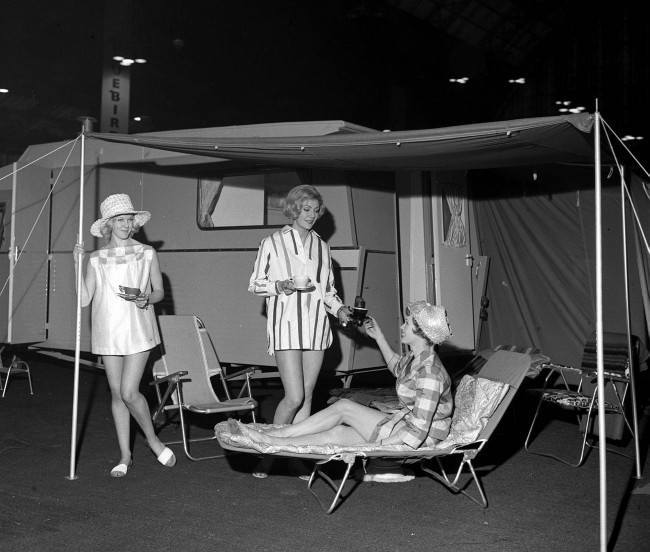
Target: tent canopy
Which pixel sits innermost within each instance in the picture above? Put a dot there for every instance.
(485, 145)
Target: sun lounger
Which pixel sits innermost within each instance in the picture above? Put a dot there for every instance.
(481, 400)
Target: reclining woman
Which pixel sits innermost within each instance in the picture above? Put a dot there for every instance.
(423, 387)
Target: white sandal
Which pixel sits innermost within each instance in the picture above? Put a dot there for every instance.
(120, 470)
(167, 458)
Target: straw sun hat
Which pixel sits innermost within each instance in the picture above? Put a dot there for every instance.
(431, 319)
(114, 205)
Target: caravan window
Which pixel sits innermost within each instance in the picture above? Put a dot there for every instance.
(245, 200)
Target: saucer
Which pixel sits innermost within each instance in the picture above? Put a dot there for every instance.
(127, 296)
(310, 287)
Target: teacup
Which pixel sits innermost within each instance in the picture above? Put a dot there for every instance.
(129, 290)
(301, 280)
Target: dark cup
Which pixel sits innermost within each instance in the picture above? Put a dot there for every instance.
(359, 315)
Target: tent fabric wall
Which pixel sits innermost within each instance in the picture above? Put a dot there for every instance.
(542, 275)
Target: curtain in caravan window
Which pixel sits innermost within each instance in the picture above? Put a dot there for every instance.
(456, 232)
(209, 191)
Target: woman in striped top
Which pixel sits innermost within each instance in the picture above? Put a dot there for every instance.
(298, 327)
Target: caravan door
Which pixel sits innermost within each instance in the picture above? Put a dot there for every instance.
(459, 275)
(30, 256)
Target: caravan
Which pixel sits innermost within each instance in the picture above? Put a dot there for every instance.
(209, 216)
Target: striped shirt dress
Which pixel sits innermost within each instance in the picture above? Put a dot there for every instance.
(300, 320)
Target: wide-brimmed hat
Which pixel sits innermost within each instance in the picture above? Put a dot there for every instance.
(431, 319)
(114, 205)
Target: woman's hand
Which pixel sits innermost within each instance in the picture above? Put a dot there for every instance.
(285, 286)
(78, 252)
(141, 301)
(372, 328)
(344, 314)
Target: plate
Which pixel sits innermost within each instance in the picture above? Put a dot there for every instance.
(310, 287)
(127, 297)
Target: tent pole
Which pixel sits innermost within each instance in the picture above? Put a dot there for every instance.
(602, 451)
(13, 254)
(635, 418)
(75, 397)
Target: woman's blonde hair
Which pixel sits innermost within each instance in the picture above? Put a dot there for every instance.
(297, 196)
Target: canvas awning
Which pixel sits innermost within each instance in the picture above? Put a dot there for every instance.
(539, 140)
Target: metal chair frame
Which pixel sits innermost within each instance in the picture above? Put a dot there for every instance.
(16, 366)
(590, 411)
(196, 382)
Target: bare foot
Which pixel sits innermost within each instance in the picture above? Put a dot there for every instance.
(233, 427)
(257, 436)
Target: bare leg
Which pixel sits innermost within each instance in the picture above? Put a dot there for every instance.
(135, 401)
(290, 368)
(343, 412)
(114, 366)
(338, 435)
(311, 364)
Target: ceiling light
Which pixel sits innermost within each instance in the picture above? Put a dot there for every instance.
(126, 62)
(520, 80)
(118, 58)
(137, 118)
(628, 138)
(140, 60)
(460, 80)
(4, 90)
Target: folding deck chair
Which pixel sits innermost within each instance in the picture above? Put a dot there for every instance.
(581, 398)
(15, 366)
(188, 363)
(481, 402)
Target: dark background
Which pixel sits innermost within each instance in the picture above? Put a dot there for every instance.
(385, 64)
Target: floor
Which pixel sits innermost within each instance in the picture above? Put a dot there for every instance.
(535, 503)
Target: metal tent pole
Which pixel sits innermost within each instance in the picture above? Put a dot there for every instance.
(602, 451)
(75, 397)
(13, 254)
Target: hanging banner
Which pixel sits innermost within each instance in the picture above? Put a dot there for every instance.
(115, 98)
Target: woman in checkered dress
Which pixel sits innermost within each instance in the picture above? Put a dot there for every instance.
(122, 281)
(423, 387)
